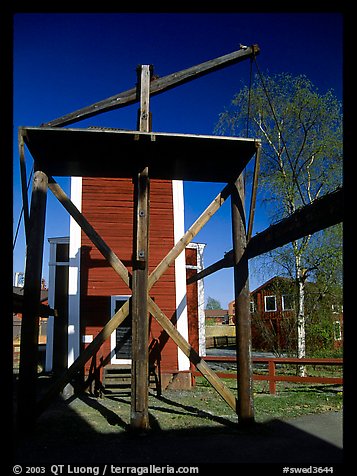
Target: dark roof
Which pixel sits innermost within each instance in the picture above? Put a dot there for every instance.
(20, 291)
(90, 152)
(273, 280)
(216, 312)
(276, 280)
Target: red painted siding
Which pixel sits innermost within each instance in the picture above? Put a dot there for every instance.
(107, 203)
(192, 300)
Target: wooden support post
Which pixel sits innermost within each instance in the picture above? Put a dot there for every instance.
(254, 190)
(140, 319)
(31, 305)
(139, 419)
(25, 204)
(272, 381)
(245, 408)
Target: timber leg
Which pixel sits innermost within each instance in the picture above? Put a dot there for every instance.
(32, 296)
(245, 409)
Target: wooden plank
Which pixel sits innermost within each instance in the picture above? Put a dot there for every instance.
(242, 311)
(189, 235)
(157, 86)
(190, 352)
(31, 305)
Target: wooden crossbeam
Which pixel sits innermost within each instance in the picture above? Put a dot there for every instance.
(322, 213)
(157, 86)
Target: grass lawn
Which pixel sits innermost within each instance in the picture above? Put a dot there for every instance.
(186, 426)
(200, 407)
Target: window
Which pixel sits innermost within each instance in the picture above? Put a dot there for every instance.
(270, 303)
(121, 337)
(287, 302)
(252, 306)
(62, 253)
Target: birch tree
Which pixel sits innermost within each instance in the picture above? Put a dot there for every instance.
(301, 133)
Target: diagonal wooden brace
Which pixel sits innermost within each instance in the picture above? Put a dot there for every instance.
(189, 235)
(87, 353)
(24, 183)
(190, 352)
(111, 257)
(122, 271)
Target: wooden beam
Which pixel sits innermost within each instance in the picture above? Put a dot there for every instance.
(322, 213)
(189, 235)
(23, 174)
(157, 86)
(144, 76)
(96, 239)
(87, 353)
(186, 348)
(139, 416)
(245, 408)
(253, 198)
(31, 305)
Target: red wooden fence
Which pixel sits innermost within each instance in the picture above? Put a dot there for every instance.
(272, 376)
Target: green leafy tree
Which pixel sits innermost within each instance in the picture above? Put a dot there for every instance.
(213, 303)
(301, 133)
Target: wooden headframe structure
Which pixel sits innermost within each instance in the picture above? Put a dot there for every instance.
(71, 152)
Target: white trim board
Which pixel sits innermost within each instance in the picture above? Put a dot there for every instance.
(74, 297)
(180, 271)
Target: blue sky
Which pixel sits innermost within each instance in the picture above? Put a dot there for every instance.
(63, 62)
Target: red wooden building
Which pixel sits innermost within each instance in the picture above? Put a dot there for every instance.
(273, 313)
(87, 292)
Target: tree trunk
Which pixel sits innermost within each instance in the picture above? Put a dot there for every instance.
(301, 343)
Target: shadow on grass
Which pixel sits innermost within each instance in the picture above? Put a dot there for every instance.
(63, 436)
